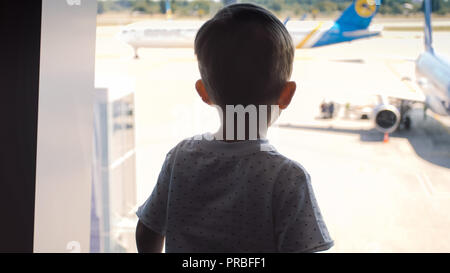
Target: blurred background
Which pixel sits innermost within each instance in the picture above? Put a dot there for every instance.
(126, 11)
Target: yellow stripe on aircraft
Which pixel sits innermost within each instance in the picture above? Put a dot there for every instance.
(307, 37)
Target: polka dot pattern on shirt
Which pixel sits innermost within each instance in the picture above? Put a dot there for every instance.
(213, 196)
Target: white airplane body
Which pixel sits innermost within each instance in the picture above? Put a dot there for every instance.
(353, 24)
(433, 76)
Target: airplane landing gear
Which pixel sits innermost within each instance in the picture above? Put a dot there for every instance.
(425, 111)
(405, 122)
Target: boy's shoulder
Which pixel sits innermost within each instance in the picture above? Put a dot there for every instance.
(261, 153)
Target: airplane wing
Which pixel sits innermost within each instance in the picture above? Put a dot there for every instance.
(404, 71)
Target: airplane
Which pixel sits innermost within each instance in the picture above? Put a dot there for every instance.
(433, 77)
(353, 24)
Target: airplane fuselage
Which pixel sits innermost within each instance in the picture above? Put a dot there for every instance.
(352, 24)
(305, 34)
(433, 75)
(177, 36)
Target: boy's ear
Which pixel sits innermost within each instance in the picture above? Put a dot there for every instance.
(201, 90)
(286, 95)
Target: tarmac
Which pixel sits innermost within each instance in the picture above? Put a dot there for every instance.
(374, 196)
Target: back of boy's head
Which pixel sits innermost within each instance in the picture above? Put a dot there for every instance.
(245, 56)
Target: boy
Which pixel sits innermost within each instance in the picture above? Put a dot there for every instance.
(232, 191)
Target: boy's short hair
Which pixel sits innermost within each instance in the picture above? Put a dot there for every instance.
(245, 56)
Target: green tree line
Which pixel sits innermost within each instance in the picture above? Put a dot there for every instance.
(280, 7)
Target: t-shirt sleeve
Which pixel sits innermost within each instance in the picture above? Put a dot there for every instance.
(153, 213)
(299, 226)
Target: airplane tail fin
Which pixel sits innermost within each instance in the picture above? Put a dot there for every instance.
(358, 15)
(428, 30)
(168, 10)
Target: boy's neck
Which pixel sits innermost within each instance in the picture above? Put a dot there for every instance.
(240, 123)
(221, 135)
(232, 132)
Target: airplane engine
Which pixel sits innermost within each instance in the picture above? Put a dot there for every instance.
(386, 118)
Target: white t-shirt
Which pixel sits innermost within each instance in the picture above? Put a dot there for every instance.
(216, 196)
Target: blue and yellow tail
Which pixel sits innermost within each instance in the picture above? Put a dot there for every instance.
(358, 15)
(168, 10)
(352, 24)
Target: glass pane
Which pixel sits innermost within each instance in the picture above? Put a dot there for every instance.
(377, 192)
